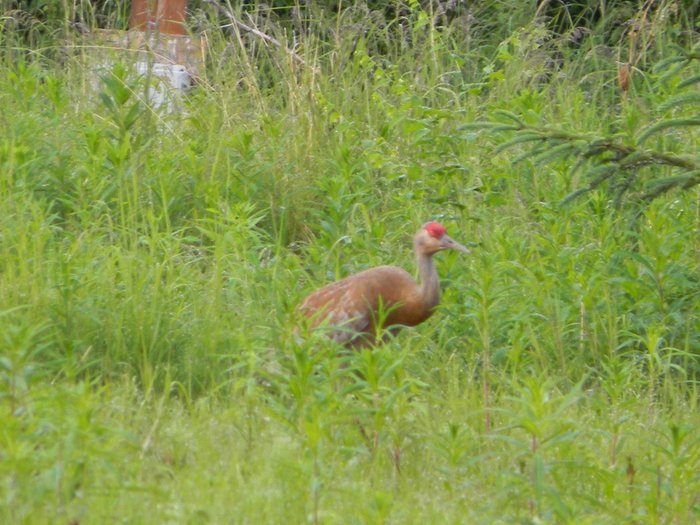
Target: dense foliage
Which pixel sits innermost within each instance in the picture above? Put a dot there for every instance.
(151, 366)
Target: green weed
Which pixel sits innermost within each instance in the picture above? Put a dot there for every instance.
(153, 367)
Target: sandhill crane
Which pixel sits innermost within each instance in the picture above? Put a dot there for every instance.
(352, 307)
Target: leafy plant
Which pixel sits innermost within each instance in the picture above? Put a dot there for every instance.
(616, 159)
(151, 355)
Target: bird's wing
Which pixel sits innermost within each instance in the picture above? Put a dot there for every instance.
(341, 309)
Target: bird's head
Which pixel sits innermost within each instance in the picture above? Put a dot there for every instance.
(432, 238)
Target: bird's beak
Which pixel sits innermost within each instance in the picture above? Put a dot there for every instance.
(448, 243)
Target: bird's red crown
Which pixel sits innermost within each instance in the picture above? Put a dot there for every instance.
(435, 229)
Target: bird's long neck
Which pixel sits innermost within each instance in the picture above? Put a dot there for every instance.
(429, 280)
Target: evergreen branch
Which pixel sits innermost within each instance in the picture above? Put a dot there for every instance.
(691, 97)
(622, 189)
(677, 66)
(479, 125)
(685, 181)
(689, 81)
(529, 153)
(612, 158)
(665, 124)
(677, 161)
(604, 173)
(674, 60)
(561, 150)
(510, 116)
(519, 139)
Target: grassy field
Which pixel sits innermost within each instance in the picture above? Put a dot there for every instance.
(150, 265)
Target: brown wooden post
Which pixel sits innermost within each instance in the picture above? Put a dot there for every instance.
(164, 16)
(171, 14)
(141, 14)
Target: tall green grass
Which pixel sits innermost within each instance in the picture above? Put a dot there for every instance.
(151, 368)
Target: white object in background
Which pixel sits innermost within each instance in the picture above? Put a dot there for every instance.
(167, 83)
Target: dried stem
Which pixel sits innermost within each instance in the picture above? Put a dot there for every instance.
(248, 29)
